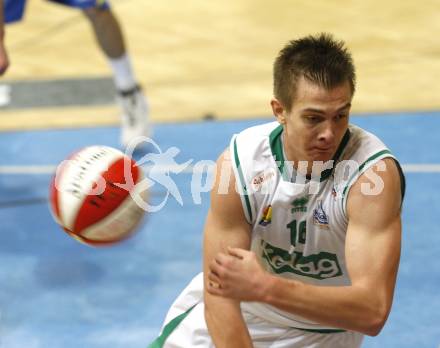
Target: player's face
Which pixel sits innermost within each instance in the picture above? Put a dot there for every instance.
(315, 126)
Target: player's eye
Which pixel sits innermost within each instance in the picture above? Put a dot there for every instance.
(313, 119)
(342, 116)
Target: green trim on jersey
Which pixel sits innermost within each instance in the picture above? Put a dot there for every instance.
(168, 329)
(172, 325)
(242, 181)
(322, 331)
(328, 172)
(360, 171)
(402, 179)
(276, 146)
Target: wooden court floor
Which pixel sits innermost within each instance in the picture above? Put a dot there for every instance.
(199, 57)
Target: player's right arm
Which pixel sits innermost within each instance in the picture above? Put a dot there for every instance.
(225, 226)
(4, 61)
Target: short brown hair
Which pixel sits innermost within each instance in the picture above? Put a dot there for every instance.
(320, 59)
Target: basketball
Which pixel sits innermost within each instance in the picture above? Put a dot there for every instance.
(91, 195)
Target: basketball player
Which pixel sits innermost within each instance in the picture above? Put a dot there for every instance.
(110, 40)
(305, 252)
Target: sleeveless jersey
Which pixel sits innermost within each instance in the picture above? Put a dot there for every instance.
(299, 227)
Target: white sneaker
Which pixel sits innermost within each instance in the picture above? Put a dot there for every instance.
(134, 120)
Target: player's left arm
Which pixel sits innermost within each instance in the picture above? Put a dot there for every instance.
(372, 257)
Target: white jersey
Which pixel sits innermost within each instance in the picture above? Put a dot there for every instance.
(299, 227)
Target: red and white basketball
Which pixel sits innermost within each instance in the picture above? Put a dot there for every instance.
(91, 195)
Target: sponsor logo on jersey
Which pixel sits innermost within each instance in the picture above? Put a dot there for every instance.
(267, 216)
(320, 266)
(336, 193)
(300, 205)
(320, 218)
(261, 180)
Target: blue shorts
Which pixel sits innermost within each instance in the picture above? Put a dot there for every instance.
(14, 9)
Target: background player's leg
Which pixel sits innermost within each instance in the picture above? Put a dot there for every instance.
(10, 11)
(4, 61)
(107, 30)
(110, 39)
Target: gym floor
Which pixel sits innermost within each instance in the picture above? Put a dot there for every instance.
(56, 292)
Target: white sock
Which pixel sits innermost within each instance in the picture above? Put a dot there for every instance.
(123, 75)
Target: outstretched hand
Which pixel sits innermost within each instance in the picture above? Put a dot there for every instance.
(237, 275)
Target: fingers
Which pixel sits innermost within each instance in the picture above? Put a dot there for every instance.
(216, 265)
(213, 285)
(217, 274)
(223, 262)
(214, 289)
(213, 277)
(222, 267)
(237, 252)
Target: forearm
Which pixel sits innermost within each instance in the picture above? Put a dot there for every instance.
(347, 307)
(225, 323)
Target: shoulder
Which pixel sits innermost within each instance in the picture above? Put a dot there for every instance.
(253, 147)
(254, 137)
(225, 199)
(377, 192)
(264, 129)
(362, 164)
(364, 146)
(253, 153)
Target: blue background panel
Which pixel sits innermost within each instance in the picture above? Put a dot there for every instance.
(56, 292)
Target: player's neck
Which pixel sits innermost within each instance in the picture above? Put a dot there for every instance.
(297, 159)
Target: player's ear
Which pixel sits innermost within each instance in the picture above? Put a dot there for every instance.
(278, 110)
